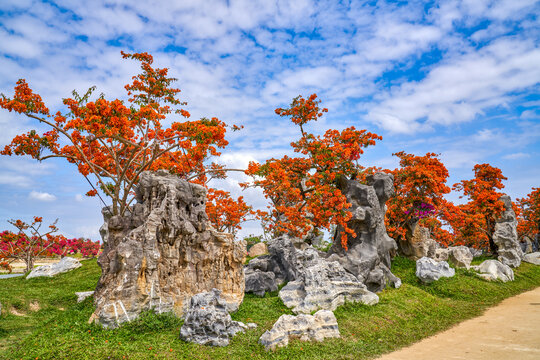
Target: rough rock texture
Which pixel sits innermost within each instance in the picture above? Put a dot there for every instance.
(429, 270)
(369, 253)
(259, 282)
(258, 249)
(475, 252)
(266, 272)
(321, 325)
(460, 256)
(163, 251)
(322, 284)
(64, 265)
(417, 243)
(441, 255)
(208, 322)
(533, 258)
(505, 235)
(494, 270)
(81, 296)
(526, 245)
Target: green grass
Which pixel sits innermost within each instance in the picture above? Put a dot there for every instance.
(59, 330)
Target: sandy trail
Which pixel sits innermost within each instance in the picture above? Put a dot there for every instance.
(510, 330)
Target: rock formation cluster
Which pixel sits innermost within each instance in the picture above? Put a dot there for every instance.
(162, 252)
(322, 284)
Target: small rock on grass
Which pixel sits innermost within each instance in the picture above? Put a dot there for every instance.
(323, 324)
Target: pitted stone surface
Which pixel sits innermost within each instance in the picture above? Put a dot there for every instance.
(505, 236)
(460, 256)
(162, 252)
(323, 324)
(429, 270)
(265, 273)
(323, 284)
(369, 254)
(207, 321)
(417, 243)
(64, 265)
(494, 270)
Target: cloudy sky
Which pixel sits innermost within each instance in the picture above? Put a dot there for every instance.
(459, 78)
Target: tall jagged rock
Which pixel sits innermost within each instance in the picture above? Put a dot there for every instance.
(369, 253)
(164, 251)
(506, 237)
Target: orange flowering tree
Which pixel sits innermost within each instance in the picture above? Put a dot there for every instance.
(226, 213)
(474, 222)
(529, 216)
(420, 184)
(304, 191)
(28, 243)
(115, 140)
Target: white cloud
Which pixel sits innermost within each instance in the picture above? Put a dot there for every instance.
(41, 196)
(516, 156)
(461, 88)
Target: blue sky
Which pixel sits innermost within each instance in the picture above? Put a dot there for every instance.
(459, 78)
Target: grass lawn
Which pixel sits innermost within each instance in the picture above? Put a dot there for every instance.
(51, 325)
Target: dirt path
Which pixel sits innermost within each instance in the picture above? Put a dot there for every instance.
(510, 330)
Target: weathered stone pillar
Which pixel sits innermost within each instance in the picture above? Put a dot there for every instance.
(369, 254)
(506, 237)
(163, 252)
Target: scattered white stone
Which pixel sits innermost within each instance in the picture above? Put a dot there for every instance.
(494, 270)
(303, 327)
(533, 258)
(64, 265)
(430, 270)
(81, 296)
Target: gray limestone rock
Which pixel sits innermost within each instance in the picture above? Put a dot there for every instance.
(259, 282)
(369, 254)
(429, 270)
(64, 265)
(505, 236)
(81, 296)
(475, 252)
(207, 321)
(163, 251)
(323, 284)
(460, 256)
(323, 324)
(533, 258)
(267, 272)
(494, 270)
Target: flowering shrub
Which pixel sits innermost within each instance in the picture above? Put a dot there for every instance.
(29, 243)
